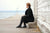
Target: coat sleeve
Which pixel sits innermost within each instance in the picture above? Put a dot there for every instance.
(29, 12)
(26, 12)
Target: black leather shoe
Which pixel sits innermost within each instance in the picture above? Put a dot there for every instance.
(18, 27)
(24, 27)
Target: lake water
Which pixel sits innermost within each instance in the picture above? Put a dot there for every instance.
(6, 14)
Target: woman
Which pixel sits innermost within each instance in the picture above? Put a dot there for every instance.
(28, 17)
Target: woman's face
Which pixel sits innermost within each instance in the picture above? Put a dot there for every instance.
(27, 6)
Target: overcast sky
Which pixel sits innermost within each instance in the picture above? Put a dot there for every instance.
(13, 4)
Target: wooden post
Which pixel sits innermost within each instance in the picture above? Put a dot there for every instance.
(35, 9)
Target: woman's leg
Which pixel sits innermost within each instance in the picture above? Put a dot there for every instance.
(24, 25)
(22, 19)
(21, 23)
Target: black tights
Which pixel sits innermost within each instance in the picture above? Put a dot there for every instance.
(22, 21)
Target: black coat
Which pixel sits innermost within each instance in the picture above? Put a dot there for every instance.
(28, 16)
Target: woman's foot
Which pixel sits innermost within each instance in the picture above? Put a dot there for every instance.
(18, 27)
(24, 26)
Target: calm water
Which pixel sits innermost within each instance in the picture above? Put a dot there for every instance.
(6, 14)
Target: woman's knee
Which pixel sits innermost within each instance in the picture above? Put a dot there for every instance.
(23, 17)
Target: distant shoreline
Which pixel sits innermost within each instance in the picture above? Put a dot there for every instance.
(6, 14)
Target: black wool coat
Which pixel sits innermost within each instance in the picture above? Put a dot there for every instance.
(28, 16)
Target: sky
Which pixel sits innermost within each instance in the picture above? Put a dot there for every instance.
(13, 5)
